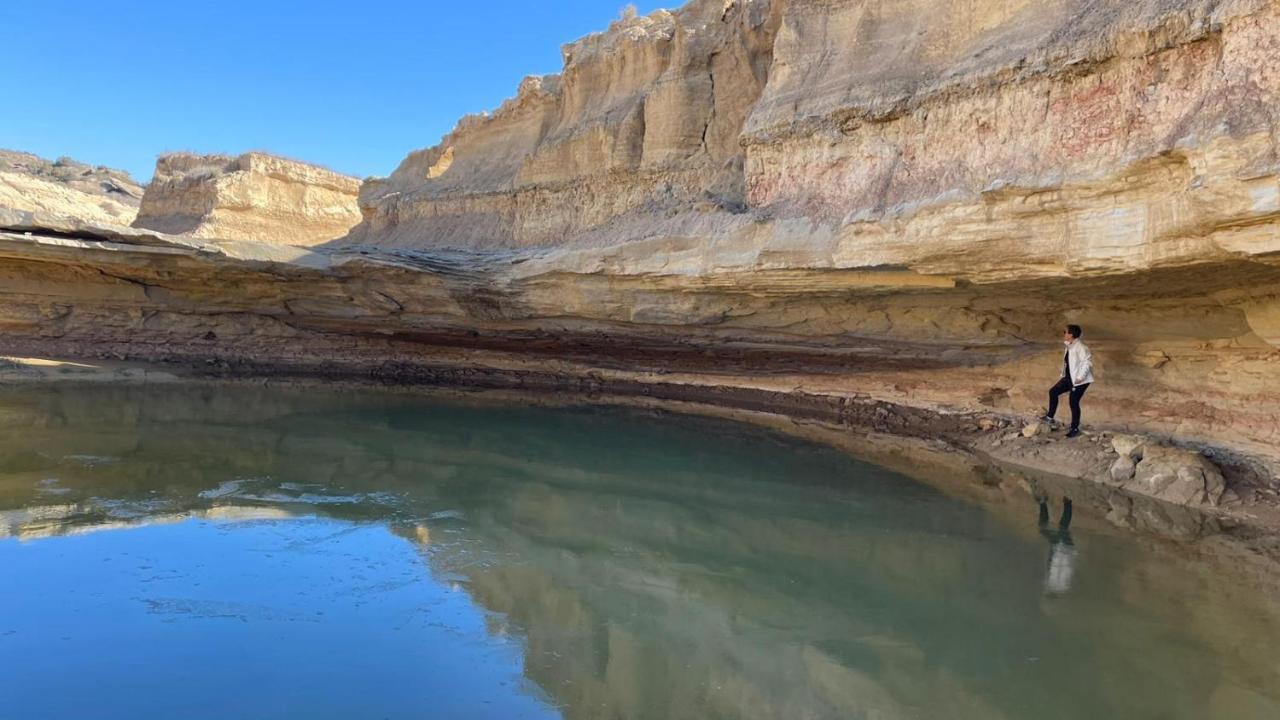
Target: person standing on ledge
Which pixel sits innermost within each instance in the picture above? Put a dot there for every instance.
(1077, 375)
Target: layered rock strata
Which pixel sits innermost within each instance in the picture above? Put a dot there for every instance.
(254, 196)
(645, 119)
(68, 188)
(844, 205)
(860, 172)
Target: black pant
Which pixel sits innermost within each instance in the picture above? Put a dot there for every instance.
(1064, 385)
(1063, 533)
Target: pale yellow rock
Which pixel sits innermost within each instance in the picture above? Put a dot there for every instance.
(67, 188)
(1128, 446)
(644, 120)
(27, 193)
(251, 197)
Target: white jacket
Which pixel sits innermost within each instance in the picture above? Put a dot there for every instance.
(1081, 359)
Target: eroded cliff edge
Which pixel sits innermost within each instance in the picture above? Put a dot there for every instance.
(254, 196)
(857, 201)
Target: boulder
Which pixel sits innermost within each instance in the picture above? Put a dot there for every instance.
(1123, 469)
(1129, 446)
(1179, 476)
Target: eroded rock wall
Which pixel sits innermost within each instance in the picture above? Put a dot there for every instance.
(965, 174)
(254, 196)
(643, 118)
(1003, 140)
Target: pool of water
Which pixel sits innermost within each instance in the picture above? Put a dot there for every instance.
(213, 552)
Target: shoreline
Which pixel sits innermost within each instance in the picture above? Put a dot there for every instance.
(966, 454)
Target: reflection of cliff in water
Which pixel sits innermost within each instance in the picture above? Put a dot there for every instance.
(672, 567)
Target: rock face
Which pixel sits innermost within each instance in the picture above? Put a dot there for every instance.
(1179, 476)
(972, 174)
(645, 120)
(899, 202)
(989, 140)
(254, 196)
(66, 187)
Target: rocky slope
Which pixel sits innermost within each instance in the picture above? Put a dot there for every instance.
(834, 207)
(254, 196)
(66, 187)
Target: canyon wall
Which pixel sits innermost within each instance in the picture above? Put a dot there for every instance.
(968, 175)
(899, 202)
(254, 196)
(644, 120)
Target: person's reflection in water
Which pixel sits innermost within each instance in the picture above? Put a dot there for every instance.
(1062, 551)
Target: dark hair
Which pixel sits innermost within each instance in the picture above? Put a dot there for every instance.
(1075, 331)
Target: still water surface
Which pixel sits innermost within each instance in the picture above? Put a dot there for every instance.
(204, 552)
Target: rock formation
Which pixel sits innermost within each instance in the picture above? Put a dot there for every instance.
(633, 126)
(867, 172)
(252, 197)
(833, 205)
(69, 188)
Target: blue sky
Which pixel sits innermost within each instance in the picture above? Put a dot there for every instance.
(353, 85)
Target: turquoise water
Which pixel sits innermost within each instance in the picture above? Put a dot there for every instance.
(205, 552)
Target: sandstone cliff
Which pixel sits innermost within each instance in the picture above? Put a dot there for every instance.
(969, 175)
(253, 196)
(633, 125)
(66, 187)
(859, 201)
